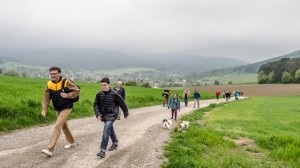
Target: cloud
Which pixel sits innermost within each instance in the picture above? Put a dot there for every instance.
(247, 30)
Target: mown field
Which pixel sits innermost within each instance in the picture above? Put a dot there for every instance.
(256, 132)
(256, 89)
(21, 101)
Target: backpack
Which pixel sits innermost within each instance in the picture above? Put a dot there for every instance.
(76, 99)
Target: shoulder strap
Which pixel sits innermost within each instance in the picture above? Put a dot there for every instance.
(63, 85)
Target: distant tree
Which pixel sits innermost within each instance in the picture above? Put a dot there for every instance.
(0, 71)
(271, 77)
(262, 77)
(297, 74)
(24, 74)
(217, 82)
(286, 77)
(230, 83)
(146, 85)
(130, 83)
(11, 73)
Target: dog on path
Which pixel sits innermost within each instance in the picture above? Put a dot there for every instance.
(184, 125)
(167, 123)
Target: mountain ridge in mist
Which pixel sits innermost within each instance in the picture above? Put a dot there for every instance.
(96, 59)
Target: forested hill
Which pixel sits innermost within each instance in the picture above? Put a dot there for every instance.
(285, 70)
(251, 68)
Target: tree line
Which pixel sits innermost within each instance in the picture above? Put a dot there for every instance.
(285, 70)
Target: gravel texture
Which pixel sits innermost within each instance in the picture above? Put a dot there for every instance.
(141, 141)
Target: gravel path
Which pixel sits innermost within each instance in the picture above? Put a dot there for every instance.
(141, 139)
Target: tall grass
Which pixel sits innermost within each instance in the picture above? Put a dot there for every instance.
(21, 101)
(271, 123)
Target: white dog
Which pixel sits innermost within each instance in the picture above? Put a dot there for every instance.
(184, 125)
(167, 123)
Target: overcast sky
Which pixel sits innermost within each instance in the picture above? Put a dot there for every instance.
(249, 30)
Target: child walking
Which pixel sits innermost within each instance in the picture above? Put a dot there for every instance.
(174, 105)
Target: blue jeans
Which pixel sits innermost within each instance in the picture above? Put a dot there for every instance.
(108, 132)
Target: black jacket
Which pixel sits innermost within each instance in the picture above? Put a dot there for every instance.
(120, 91)
(105, 104)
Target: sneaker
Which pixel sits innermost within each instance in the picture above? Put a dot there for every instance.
(47, 152)
(113, 147)
(101, 154)
(69, 146)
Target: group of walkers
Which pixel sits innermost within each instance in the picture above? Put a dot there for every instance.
(227, 95)
(174, 102)
(106, 106)
(62, 92)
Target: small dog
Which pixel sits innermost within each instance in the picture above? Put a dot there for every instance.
(167, 123)
(184, 125)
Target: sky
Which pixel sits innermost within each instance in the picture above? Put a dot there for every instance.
(241, 29)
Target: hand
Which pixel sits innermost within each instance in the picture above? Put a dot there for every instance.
(63, 95)
(43, 113)
(100, 118)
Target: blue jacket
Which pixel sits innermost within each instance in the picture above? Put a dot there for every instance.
(196, 95)
(173, 105)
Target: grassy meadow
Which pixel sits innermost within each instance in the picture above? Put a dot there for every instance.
(257, 132)
(21, 101)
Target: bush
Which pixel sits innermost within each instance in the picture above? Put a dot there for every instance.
(146, 85)
(130, 83)
(11, 73)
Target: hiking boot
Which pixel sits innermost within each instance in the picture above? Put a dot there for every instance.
(101, 154)
(113, 147)
(47, 152)
(69, 146)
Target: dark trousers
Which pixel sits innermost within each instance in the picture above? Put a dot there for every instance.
(174, 112)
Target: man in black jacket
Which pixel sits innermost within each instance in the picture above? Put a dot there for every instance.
(104, 106)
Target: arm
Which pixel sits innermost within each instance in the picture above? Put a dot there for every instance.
(46, 101)
(97, 106)
(74, 90)
(124, 94)
(122, 104)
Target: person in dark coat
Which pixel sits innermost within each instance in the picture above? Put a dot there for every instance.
(104, 106)
(120, 89)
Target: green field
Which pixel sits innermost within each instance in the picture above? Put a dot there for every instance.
(21, 101)
(257, 132)
(236, 79)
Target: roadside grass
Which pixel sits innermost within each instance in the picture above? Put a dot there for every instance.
(21, 101)
(257, 132)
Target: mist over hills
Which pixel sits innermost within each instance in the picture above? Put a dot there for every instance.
(93, 59)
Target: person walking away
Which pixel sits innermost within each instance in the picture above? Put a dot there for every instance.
(62, 106)
(120, 89)
(174, 105)
(104, 106)
(196, 98)
(218, 94)
(166, 95)
(227, 96)
(235, 94)
(186, 95)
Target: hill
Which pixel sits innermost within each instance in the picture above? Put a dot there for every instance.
(251, 68)
(94, 59)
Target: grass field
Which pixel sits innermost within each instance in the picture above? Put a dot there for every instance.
(21, 101)
(258, 132)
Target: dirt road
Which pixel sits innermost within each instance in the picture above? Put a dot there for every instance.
(141, 139)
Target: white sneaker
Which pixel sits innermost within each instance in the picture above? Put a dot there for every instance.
(47, 152)
(68, 146)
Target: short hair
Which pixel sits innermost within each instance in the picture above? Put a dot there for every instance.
(55, 68)
(106, 80)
